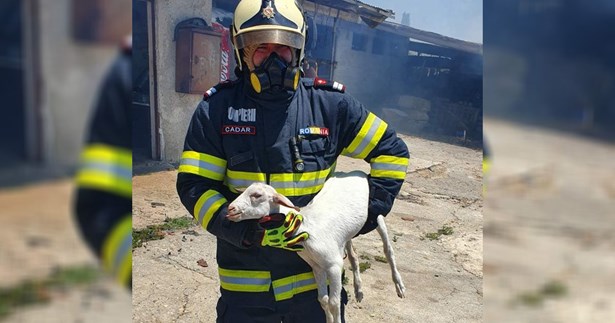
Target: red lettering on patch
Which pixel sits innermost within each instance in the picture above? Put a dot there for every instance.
(238, 130)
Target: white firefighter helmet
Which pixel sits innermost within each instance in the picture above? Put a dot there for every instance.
(269, 21)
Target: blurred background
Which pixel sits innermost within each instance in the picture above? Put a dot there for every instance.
(53, 56)
(550, 130)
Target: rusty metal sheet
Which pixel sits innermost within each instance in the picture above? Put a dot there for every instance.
(205, 61)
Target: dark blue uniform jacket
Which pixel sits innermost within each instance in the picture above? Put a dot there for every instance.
(235, 139)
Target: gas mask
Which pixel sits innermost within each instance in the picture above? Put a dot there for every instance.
(274, 74)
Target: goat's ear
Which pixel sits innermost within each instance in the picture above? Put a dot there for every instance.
(283, 200)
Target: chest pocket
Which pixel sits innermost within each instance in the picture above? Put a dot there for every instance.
(239, 152)
(315, 152)
(242, 168)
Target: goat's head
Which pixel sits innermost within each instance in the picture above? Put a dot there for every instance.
(256, 201)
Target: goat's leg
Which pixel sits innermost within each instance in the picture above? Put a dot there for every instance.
(356, 277)
(388, 251)
(334, 273)
(323, 296)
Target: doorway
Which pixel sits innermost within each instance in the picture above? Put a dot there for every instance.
(144, 116)
(13, 120)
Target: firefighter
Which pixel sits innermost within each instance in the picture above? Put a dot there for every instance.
(103, 200)
(486, 165)
(272, 126)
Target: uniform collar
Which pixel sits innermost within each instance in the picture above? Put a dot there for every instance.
(268, 99)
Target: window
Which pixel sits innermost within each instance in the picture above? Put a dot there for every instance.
(324, 42)
(379, 45)
(359, 41)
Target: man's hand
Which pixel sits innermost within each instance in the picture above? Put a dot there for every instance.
(284, 236)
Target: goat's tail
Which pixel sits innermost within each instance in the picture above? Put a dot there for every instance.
(388, 251)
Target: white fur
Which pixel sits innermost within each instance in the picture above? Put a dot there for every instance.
(332, 219)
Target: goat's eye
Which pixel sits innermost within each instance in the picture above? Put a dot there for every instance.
(256, 195)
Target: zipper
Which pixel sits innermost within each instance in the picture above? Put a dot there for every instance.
(261, 139)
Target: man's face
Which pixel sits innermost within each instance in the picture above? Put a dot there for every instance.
(264, 50)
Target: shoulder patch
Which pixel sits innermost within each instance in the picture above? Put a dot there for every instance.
(214, 89)
(331, 86)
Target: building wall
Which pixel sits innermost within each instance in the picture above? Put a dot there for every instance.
(174, 109)
(70, 75)
(380, 75)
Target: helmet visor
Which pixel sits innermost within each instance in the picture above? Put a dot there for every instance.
(270, 36)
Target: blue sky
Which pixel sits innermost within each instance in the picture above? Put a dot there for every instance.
(461, 19)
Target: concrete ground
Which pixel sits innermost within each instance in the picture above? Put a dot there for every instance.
(38, 236)
(549, 241)
(443, 277)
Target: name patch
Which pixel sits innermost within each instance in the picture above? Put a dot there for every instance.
(318, 131)
(238, 130)
(244, 115)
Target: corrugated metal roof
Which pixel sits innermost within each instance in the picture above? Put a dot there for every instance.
(358, 7)
(432, 38)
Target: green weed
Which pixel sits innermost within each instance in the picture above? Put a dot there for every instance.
(445, 230)
(158, 231)
(551, 289)
(363, 266)
(381, 259)
(39, 291)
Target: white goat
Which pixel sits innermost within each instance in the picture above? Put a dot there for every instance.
(332, 219)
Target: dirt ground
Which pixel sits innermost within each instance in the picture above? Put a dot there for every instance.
(38, 236)
(550, 218)
(443, 277)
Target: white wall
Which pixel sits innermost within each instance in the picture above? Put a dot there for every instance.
(70, 73)
(175, 109)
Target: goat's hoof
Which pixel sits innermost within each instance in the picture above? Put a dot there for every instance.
(401, 291)
(358, 296)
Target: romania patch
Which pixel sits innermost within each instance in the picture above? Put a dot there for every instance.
(317, 131)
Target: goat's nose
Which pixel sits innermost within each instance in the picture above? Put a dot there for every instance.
(231, 208)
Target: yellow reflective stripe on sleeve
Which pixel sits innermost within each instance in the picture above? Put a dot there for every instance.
(207, 205)
(389, 167)
(244, 280)
(117, 251)
(368, 137)
(107, 168)
(205, 165)
(288, 287)
(299, 184)
(387, 174)
(240, 180)
(486, 166)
